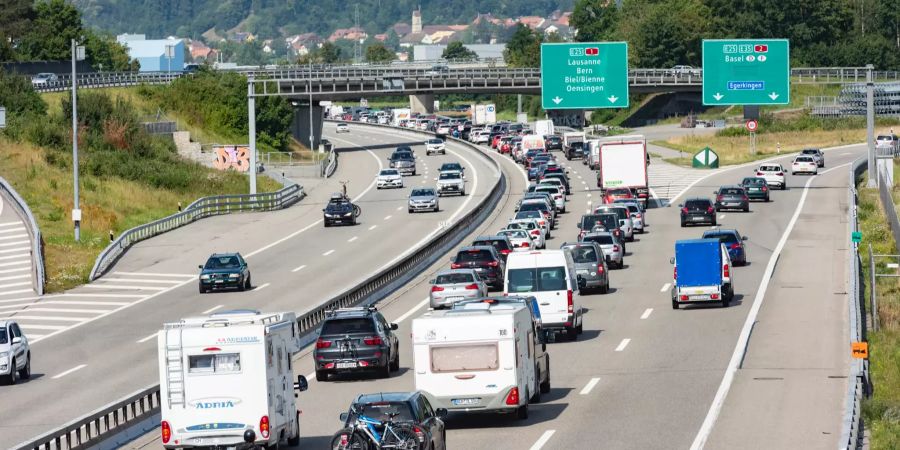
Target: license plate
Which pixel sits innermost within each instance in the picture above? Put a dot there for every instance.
(453, 299)
(582, 272)
(465, 401)
(700, 297)
(219, 281)
(698, 219)
(754, 189)
(346, 365)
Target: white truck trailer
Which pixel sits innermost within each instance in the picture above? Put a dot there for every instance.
(622, 163)
(227, 379)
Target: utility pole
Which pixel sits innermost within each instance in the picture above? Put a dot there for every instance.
(77, 55)
(309, 84)
(357, 48)
(251, 114)
(870, 125)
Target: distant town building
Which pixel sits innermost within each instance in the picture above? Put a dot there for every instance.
(417, 21)
(434, 52)
(151, 54)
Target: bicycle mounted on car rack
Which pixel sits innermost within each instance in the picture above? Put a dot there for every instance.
(363, 434)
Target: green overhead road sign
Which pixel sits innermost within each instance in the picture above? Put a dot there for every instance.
(584, 75)
(746, 72)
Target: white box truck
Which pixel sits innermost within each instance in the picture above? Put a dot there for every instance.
(399, 114)
(477, 360)
(543, 127)
(592, 153)
(227, 379)
(623, 164)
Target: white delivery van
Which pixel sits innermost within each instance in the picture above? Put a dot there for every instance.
(477, 360)
(543, 128)
(592, 154)
(548, 275)
(227, 378)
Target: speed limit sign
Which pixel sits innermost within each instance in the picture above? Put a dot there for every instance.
(752, 125)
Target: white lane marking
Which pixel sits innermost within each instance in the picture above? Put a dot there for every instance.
(846, 153)
(123, 287)
(10, 244)
(18, 236)
(155, 333)
(259, 288)
(19, 256)
(542, 440)
(589, 386)
(102, 295)
(152, 274)
(15, 270)
(139, 280)
(412, 311)
(20, 249)
(212, 309)
(713, 414)
(588, 195)
(69, 310)
(353, 239)
(623, 344)
(361, 194)
(41, 327)
(12, 230)
(646, 313)
(399, 208)
(388, 217)
(373, 227)
(26, 283)
(665, 287)
(75, 302)
(299, 268)
(59, 319)
(19, 305)
(33, 336)
(20, 291)
(7, 224)
(721, 216)
(82, 366)
(328, 252)
(15, 277)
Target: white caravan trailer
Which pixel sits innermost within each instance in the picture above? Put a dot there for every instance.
(226, 379)
(476, 360)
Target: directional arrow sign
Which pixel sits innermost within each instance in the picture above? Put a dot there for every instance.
(584, 75)
(746, 72)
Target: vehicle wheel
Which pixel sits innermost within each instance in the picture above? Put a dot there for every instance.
(545, 385)
(536, 397)
(746, 209)
(409, 210)
(294, 441)
(718, 209)
(674, 304)
(783, 187)
(767, 199)
(683, 224)
(13, 376)
(462, 193)
(522, 412)
(249, 282)
(327, 224)
(242, 287)
(725, 301)
(321, 376)
(414, 173)
(714, 222)
(385, 371)
(580, 327)
(25, 373)
(572, 334)
(202, 291)
(395, 364)
(378, 188)
(605, 288)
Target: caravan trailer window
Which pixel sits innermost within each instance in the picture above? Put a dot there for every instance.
(217, 363)
(464, 358)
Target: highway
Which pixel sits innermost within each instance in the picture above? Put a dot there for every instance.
(640, 365)
(97, 342)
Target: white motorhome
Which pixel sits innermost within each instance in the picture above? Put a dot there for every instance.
(592, 153)
(226, 379)
(477, 360)
(548, 275)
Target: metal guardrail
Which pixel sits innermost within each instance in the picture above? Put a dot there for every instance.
(89, 431)
(852, 429)
(201, 208)
(887, 201)
(37, 242)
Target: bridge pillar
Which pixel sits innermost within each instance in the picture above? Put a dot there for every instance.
(422, 103)
(300, 125)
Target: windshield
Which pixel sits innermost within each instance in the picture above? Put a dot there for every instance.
(399, 156)
(389, 172)
(728, 238)
(449, 176)
(697, 204)
(754, 181)
(499, 244)
(223, 262)
(621, 213)
(804, 159)
(550, 189)
(529, 215)
(770, 169)
(537, 279)
(534, 207)
(584, 254)
(810, 152)
(435, 141)
(474, 256)
(450, 166)
(602, 239)
(422, 193)
(520, 234)
(454, 278)
(383, 411)
(347, 326)
(522, 225)
(732, 192)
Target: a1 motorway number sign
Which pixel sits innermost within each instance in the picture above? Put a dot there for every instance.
(746, 72)
(584, 75)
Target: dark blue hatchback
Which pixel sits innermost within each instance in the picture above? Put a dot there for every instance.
(733, 241)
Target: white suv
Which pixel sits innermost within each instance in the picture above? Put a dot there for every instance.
(15, 354)
(773, 174)
(435, 146)
(804, 164)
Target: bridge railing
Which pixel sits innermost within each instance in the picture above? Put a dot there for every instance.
(199, 209)
(37, 242)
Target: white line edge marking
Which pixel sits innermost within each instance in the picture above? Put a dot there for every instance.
(353, 239)
(589, 386)
(412, 311)
(623, 344)
(646, 313)
(721, 216)
(719, 400)
(76, 368)
(328, 252)
(212, 309)
(259, 288)
(299, 268)
(373, 227)
(155, 333)
(665, 287)
(388, 217)
(542, 440)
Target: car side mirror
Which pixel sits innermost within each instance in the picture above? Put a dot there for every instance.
(394, 326)
(578, 225)
(716, 192)
(344, 416)
(323, 209)
(672, 260)
(744, 238)
(200, 266)
(302, 384)
(431, 281)
(17, 340)
(441, 413)
(681, 205)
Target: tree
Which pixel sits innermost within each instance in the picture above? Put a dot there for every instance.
(456, 50)
(105, 53)
(56, 23)
(15, 19)
(595, 20)
(524, 48)
(378, 53)
(329, 53)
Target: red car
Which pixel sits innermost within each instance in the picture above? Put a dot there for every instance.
(495, 140)
(613, 194)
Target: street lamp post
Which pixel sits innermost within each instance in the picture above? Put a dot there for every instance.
(77, 55)
(311, 135)
(170, 53)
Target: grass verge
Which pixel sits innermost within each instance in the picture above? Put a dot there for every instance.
(882, 410)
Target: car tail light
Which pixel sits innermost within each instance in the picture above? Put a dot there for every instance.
(471, 286)
(734, 246)
(684, 210)
(746, 198)
(366, 363)
(719, 198)
(637, 215)
(455, 265)
(569, 301)
(615, 248)
(166, 432)
(710, 210)
(714, 296)
(436, 289)
(512, 398)
(599, 269)
(726, 271)
(494, 263)
(505, 251)
(684, 298)
(764, 189)
(264, 427)
(780, 174)
(526, 244)
(759, 174)
(374, 340)
(322, 344)
(420, 435)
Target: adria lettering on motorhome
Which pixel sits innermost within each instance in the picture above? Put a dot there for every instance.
(217, 403)
(238, 340)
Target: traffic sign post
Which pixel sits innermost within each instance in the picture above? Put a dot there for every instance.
(751, 127)
(746, 72)
(584, 75)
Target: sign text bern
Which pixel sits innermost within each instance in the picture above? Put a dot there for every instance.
(584, 75)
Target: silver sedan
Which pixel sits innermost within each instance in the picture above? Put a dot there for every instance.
(450, 286)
